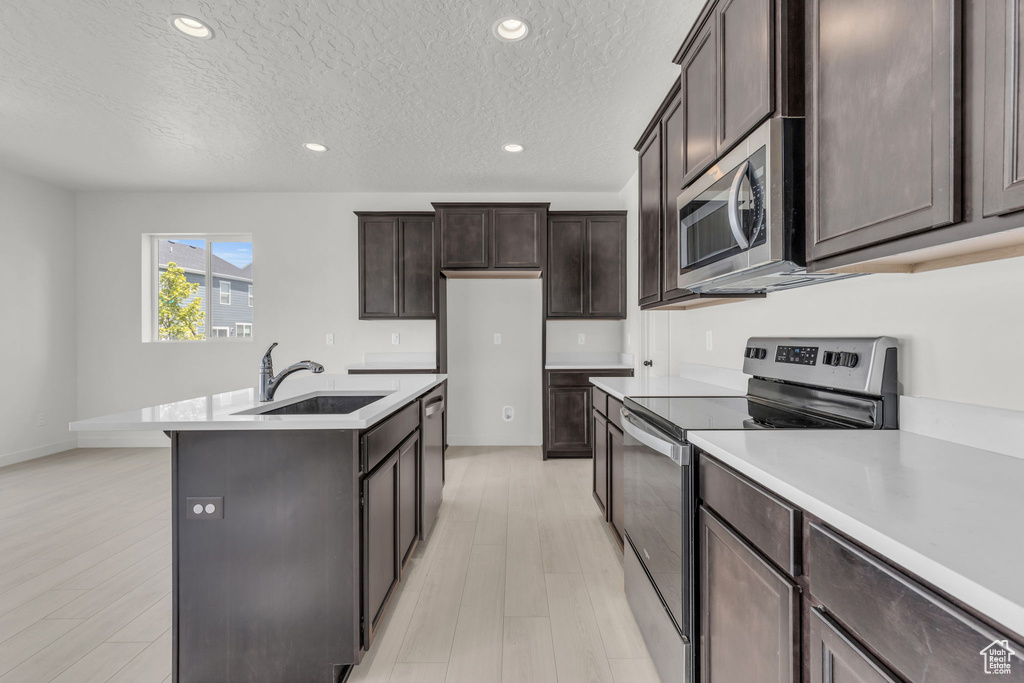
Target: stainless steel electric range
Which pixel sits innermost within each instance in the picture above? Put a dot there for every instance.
(828, 383)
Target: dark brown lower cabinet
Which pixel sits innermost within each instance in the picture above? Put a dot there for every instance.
(601, 461)
(568, 423)
(616, 449)
(408, 497)
(837, 658)
(380, 542)
(749, 611)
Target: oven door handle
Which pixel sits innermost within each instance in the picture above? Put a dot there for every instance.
(735, 222)
(631, 425)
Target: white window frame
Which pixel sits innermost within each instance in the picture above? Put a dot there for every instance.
(149, 298)
(220, 292)
(250, 296)
(239, 327)
(227, 332)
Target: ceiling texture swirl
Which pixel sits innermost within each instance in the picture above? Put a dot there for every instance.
(410, 96)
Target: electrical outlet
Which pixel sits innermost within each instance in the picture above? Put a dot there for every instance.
(708, 340)
(581, 339)
(41, 420)
(497, 338)
(508, 413)
(204, 508)
(395, 339)
(330, 339)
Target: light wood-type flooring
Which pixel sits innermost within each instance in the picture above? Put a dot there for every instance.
(520, 579)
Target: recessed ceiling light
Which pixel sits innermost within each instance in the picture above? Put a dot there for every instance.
(315, 147)
(191, 27)
(511, 29)
(513, 148)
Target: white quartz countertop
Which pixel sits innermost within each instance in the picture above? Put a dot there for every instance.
(227, 411)
(620, 387)
(945, 512)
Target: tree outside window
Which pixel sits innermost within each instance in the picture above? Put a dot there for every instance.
(180, 316)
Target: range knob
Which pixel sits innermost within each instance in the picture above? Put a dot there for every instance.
(848, 359)
(762, 353)
(830, 358)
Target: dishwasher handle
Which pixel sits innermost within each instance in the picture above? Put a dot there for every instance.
(635, 428)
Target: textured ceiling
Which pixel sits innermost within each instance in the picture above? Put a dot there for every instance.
(410, 95)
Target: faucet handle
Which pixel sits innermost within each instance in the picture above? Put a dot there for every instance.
(267, 360)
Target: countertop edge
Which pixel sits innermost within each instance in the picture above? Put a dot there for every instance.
(1000, 609)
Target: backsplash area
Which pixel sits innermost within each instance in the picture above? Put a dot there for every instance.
(960, 329)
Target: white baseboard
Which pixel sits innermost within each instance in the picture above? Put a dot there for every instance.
(123, 440)
(37, 452)
(504, 440)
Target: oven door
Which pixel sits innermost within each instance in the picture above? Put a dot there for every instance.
(658, 524)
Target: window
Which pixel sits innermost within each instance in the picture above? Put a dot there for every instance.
(179, 304)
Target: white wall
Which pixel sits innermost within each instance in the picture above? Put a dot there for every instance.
(961, 330)
(483, 377)
(37, 318)
(305, 286)
(600, 336)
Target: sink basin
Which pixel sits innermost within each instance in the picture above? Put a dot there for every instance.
(324, 405)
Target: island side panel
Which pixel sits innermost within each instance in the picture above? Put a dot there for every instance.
(276, 580)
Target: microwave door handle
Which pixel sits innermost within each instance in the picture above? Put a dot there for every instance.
(671, 450)
(735, 223)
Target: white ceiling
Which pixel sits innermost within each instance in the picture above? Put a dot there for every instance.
(410, 95)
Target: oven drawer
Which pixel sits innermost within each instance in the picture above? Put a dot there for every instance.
(668, 651)
(921, 635)
(769, 523)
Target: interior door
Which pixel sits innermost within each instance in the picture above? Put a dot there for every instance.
(654, 344)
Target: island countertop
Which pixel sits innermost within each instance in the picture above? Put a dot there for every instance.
(235, 410)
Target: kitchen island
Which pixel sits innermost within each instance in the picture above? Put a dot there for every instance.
(292, 519)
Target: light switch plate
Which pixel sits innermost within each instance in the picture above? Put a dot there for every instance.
(208, 507)
(497, 338)
(395, 339)
(581, 339)
(330, 339)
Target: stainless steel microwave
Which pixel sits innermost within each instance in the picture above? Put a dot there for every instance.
(741, 223)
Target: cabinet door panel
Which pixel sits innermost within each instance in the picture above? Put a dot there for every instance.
(745, 68)
(672, 133)
(699, 88)
(569, 418)
(616, 449)
(408, 498)
(836, 658)
(517, 237)
(601, 462)
(883, 121)
(378, 267)
(418, 268)
(605, 265)
(1004, 119)
(564, 276)
(380, 543)
(464, 237)
(744, 601)
(650, 220)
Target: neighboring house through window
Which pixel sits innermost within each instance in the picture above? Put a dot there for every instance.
(186, 270)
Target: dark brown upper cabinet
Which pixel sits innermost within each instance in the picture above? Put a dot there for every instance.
(398, 266)
(745, 63)
(491, 236)
(1004, 119)
(650, 218)
(699, 85)
(672, 185)
(883, 121)
(586, 274)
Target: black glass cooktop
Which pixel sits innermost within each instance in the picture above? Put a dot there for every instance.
(676, 416)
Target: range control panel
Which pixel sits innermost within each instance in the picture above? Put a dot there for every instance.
(851, 363)
(800, 355)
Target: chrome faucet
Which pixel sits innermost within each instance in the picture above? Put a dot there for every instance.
(269, 383)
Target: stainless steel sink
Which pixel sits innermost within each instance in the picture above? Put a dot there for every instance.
(317, 404)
